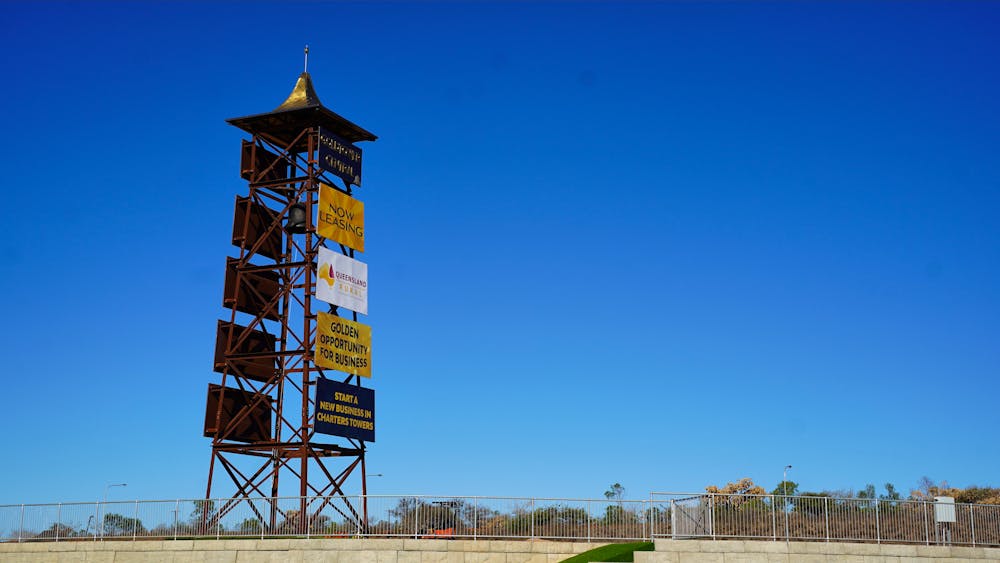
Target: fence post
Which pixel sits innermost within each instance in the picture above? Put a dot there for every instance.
(59, 519)
(645, 516)
(826, 510)
(711, 513)
(784, 508)
(135, 521)
(927, 530)
(20, 527)
(532, 518)
(589, 519)
(416, 516)
(972, 522)
(673, 519)
(97, 517)
(177, 507)
(774, 519)
(475, 519)
(652, 517)
(218, 525)
(878, 530)
(361, 525)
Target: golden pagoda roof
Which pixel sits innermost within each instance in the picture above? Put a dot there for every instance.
(302, 109)
(302, 96)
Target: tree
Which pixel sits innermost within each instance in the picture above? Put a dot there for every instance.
(201, 521)
(119, 525)
(739, 493)
(979, 495)
(615, 492)
(414, 513)
(560, 515)
(927, 490)
(60, 531)
(204, 511)
(868, 492)
(891, 494)
(786, 488)
(251, 527)
(810, 503)
(744, 486)
(782, 492)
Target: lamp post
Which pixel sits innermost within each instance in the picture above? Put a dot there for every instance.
(105, 502)
(784, 479)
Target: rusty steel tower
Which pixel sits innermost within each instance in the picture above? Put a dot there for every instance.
(262, 416)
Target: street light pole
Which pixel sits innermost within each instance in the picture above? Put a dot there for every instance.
(105, 502)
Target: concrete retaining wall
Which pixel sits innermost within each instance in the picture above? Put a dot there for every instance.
(294, 550)
(469, 551)
(707, 551)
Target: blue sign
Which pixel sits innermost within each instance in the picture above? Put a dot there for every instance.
(345, 410)
(339, 157)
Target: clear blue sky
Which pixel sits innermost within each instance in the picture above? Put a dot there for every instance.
(663, 244)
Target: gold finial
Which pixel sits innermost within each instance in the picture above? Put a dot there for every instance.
(306, 68)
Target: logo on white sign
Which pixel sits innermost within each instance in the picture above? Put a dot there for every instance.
(343, 281)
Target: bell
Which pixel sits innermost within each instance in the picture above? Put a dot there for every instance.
(296, 223)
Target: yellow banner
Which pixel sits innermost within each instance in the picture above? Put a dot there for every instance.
(341, 218)
(343, 345)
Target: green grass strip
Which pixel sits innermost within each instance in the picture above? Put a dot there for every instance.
(612, 552)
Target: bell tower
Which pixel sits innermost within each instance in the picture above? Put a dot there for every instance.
(290, 416)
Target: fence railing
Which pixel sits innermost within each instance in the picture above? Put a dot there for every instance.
(663, 515)
(822, 518)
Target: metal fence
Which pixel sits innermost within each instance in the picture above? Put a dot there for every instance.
(822, 518)
(663, 515)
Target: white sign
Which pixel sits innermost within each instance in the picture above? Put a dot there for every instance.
(343, 281)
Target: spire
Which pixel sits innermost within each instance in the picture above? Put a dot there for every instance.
(302, 96)
(302, 109)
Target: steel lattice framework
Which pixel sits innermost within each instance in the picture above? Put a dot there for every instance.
(260, 417)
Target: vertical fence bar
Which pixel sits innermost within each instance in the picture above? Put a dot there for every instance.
(58, 519)
(673, 519)
(645, 516)
(177, 508)
(826, 511)
(97, 512)
(972, 523)
(135, 521)
(927, 529)
(589, 519)
(878, 529)
(711, 513)
(532, 518)
(784, 508)
(218, 525)
(20, 526)
(475, 519)
(416, 516)
(774, 519)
